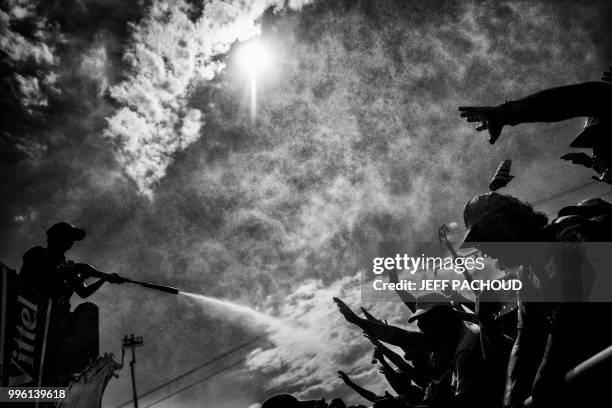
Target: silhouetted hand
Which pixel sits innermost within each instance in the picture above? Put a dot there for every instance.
(344, 377)
(607, 75)
(346, 311)
(579, 158)
(490, 118)
(369, 316)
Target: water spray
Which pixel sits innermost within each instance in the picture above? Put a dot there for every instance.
(257, 316)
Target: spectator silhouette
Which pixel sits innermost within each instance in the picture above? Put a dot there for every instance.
(547, 343)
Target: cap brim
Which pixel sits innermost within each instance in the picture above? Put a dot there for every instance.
(77, 234)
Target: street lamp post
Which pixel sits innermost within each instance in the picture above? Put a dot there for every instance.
(133, 342)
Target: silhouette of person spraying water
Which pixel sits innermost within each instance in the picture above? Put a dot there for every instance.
(73, 337)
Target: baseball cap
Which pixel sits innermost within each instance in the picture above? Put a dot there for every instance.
(594, 128)
(427, 302)
(479, 207)
(591, 207)
(65, 230)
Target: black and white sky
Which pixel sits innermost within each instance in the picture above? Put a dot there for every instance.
(131, 119)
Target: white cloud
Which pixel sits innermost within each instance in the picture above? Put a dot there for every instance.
(169, 52)
(31, 95)
(20, 48)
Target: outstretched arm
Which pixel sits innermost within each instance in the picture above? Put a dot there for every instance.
(370, 317)
(367, 394)
(551, 105)
(385, 351)
(390, 374)
(407, 297)
(84, 290)
(400, 383)
(417, 375)
(383, 332)
(80, 272)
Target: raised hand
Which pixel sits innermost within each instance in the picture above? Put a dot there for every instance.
(346, 311)
(490, 118)
(369, 316)
(344, 377)
(579, 158)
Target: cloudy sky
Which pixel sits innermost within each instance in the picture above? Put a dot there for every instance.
(132, 120)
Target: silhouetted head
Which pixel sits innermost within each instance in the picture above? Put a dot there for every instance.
(495, 218)
(289, 401)
(435, 317)
(61, 236)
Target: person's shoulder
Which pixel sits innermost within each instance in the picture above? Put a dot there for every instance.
(35, 253)
(32, 260)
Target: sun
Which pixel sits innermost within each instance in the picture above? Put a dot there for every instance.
(253, 57)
